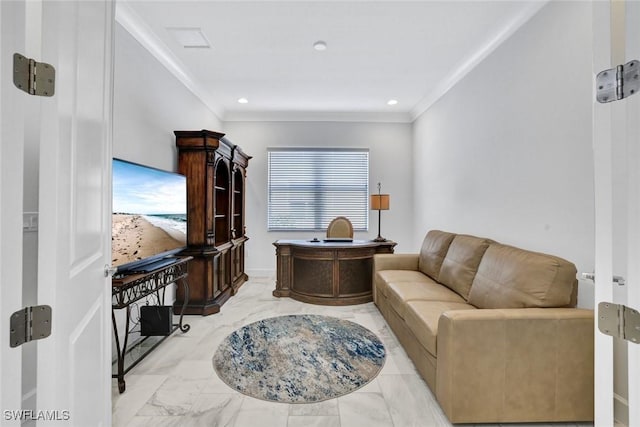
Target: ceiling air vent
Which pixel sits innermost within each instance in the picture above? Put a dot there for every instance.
(190, 37)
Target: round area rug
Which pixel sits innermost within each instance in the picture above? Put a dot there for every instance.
(299, 358)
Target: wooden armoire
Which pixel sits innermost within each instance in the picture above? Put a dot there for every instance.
(216, 173)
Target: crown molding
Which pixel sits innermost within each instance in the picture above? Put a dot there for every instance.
(131, 21)
(136, 26)
(319, 116)
(466, 66)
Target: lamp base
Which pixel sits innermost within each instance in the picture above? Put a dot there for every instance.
(379, 239)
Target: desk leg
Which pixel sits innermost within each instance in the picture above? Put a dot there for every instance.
(185, 285)
(121, 350)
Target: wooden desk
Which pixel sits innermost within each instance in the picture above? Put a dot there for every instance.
(327, 273)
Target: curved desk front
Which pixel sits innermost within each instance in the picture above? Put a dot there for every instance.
(327, 273)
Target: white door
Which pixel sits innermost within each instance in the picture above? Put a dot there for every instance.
(74, 132)
(74, 364)
(12, 39)
(617, 199)
(632, 49)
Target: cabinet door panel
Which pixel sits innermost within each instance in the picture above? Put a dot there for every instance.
(215, 281)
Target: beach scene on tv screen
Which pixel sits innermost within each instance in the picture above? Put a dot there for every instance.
(149, 212)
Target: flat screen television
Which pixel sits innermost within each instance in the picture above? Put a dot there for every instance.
(149, 216)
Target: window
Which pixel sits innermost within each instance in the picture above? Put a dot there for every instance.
(310, 187)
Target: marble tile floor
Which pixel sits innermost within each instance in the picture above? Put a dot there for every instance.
(176, 384)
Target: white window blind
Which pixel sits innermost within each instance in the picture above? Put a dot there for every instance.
(310, 187)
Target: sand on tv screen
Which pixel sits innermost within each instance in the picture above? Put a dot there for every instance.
(149, 219)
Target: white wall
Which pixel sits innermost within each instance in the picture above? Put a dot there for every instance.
(507, 152)
(149, 104)
(389, 163)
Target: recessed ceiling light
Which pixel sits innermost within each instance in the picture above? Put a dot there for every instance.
(243, 100)
(392, 102)
(320, 45)
(190, 37)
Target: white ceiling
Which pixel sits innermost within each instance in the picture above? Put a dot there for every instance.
(411, 51)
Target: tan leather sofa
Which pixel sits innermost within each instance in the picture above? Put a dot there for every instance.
(492, 329)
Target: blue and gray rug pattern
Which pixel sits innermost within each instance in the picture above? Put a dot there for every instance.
(299, 358)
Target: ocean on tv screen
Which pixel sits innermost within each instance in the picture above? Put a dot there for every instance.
(149, 212)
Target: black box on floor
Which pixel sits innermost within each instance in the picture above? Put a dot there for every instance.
(155, 320)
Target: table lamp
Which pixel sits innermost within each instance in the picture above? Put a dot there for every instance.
(379, 202)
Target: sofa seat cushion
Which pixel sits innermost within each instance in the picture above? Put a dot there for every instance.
(390, 276)
(422, 317)
(399, 293)
(510, 277)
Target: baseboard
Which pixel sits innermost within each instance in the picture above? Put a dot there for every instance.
(261, 273)
(620, 410)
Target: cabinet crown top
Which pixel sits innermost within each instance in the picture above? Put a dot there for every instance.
(197, 133)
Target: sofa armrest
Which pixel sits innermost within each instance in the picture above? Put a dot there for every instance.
(494, 364)
(395, 262)
(383, 262)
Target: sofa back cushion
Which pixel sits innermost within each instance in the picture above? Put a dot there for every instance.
(509, 277)
(434, 249)
(461, 263)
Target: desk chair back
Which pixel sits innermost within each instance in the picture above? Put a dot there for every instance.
(340, 227)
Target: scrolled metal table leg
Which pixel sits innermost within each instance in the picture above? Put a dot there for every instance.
(121, 351)
(185, 285)
(120, 374)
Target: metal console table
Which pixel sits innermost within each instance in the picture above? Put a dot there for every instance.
(127, 289)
